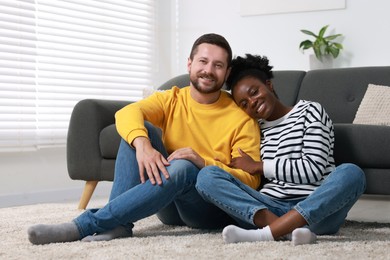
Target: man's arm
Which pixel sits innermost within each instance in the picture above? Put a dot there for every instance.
(130, 124)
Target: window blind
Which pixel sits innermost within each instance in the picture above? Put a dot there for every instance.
(57, 52)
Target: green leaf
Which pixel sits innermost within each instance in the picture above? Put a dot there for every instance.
(309, 33)
(322, 45)
(338, 45)
(322, 31)
(334, 51)
(306, 45)
(332, 37)
(318, 54)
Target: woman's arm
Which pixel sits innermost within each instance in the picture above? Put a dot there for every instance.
(246, 163)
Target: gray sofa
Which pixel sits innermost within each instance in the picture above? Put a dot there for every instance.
(93, 141)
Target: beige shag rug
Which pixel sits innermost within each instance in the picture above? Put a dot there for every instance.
(153, 240)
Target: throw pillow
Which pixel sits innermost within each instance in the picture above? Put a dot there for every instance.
(375, 106)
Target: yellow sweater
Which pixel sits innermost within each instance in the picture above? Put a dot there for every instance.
(212, 130)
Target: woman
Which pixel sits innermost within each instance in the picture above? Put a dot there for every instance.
(303, 194)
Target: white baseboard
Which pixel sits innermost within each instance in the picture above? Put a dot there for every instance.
(50, 196)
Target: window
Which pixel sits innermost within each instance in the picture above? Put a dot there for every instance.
(54, 53)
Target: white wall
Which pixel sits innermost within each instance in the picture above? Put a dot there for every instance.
(364, 25)
(42, 176)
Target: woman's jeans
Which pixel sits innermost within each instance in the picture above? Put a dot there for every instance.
(176, 200)
(324, 210)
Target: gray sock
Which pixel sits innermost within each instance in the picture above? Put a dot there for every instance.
(118, 232)
(44, 234)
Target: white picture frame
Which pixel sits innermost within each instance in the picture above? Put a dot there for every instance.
(265, 7)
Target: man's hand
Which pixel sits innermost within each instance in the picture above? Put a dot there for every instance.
(188, 154)
(246, 163)
(150, 160)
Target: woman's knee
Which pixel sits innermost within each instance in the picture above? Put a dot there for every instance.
(208, 173)
(354, 171)
(209, 176)
(354, 175)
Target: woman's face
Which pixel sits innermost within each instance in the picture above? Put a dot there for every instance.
(255, 98)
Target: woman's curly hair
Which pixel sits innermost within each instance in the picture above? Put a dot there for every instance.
(252, 65)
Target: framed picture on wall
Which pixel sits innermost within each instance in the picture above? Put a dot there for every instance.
(264, 7)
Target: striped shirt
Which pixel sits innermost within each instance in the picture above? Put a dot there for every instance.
(297, 151)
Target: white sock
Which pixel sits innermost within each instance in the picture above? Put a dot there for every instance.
(302, 236)
(118, 232)
(234, 234)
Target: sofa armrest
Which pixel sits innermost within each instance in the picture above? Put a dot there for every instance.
(88, 118)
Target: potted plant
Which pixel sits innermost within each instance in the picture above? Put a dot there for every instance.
(323, 46)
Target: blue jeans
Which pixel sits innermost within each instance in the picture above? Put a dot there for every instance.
(176, 199)
(325, 209)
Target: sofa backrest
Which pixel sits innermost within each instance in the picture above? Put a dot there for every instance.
(286, 84)
(341, 90)
(180, 81)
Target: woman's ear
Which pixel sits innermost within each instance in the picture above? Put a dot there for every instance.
(269, 84)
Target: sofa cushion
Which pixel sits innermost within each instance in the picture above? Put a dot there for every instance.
(375, 106)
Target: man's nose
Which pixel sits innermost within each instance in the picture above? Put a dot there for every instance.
(208, 67)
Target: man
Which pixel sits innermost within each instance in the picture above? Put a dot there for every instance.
(201, 125)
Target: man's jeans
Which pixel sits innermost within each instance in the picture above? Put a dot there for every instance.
(131, 201)
(324, 210)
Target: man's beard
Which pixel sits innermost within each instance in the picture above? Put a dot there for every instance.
(208, 89)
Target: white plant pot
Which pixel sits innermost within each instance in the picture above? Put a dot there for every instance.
(326, 63)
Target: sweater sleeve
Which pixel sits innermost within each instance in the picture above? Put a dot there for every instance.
(247, 138)
(129, 120)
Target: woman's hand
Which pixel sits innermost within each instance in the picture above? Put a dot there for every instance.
(246, 163)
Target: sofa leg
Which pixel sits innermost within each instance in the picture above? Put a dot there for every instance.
(89, 188)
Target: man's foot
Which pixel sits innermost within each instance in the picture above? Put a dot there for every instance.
(44, 234)
(118, 232)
